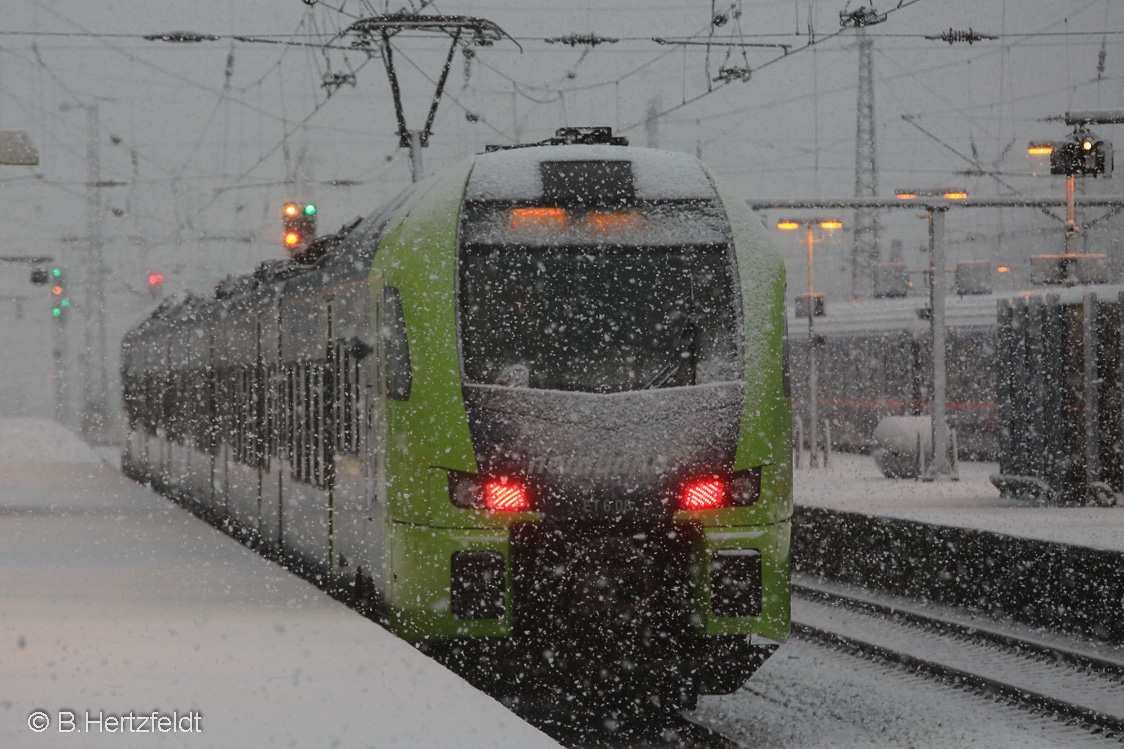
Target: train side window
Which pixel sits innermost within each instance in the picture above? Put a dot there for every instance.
(396, 347)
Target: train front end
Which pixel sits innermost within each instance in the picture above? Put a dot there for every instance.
(620, 520)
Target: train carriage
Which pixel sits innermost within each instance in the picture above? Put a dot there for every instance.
(532, 412)
(874, 360)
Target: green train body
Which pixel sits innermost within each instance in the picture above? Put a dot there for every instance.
(588, 332)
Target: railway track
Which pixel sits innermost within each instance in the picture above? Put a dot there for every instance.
(639, 729)
(1079, 683)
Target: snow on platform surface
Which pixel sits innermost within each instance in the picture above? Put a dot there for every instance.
(853, 483)
(114, 600)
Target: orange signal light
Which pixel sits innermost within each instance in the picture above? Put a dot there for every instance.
(1040, 150)
(611, 221)
(786, 225)
(292, 239)
(537, 219)
(956, 195)
(1003, 269)
(831, 224)
(907, 195)
(56, 290)
(290, 209)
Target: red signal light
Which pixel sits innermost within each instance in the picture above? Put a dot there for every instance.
(708, 494)
(292, 239)
(155, 279)
(504, 497)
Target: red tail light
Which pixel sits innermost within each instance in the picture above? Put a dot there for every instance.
(708, 494)
(501, 497)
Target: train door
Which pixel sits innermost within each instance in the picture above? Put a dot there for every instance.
(329, 429)
(373, 435)
(211, 436)
(274, 427)
(357, 532)
(260, 452)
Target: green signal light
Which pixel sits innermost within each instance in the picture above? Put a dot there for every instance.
(56, 312)
(310, 209)
(65, 302)
(56, 272)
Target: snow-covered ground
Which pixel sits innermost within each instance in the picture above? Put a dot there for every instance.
(810, 697)
(113, 600)
(853, 483)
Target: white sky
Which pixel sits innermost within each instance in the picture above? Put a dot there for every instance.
(789, 132)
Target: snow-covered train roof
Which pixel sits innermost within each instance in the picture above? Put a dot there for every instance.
(517, 174)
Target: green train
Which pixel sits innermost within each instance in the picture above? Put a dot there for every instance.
(532, 413)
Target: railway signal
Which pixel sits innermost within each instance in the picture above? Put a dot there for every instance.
(155, 284)
(60, 302)
(1082, 154)
(299, 220)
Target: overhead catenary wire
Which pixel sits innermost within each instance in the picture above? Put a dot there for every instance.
(280, 144)
(675, 108)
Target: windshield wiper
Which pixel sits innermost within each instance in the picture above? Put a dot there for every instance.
(683, 353)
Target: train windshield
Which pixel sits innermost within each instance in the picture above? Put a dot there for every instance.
(572, 309)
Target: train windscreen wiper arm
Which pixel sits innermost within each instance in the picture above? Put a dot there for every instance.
(684, 345)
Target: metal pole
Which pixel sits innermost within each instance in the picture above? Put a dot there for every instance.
(1070, 216)
(416, 172)
(813, 396)
(939, 467)
(92, 357)
(98, 411)
(811, 285)
(62, 388)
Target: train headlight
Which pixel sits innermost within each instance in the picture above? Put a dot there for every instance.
(466, 492)
(745, 488)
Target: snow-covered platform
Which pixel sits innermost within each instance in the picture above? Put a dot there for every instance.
(853, 483)
(116, 604)
(960, 543)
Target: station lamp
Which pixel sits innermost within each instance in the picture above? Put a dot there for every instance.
(948, 193)
(810, 305)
